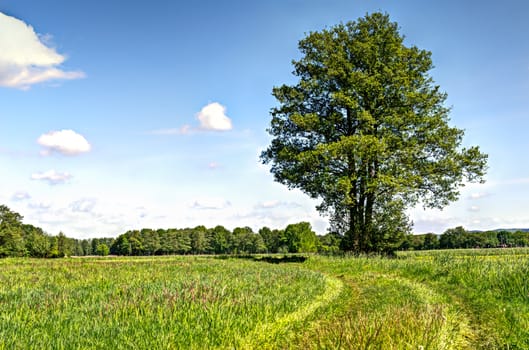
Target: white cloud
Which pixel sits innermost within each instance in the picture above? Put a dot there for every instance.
(478, 195)
(213, 117)
(40, 205)
(269, 204)
(24, 57)
(20, 196)
(52, 177)
(184, 130)
(210, 203)
(474, 208)
(213, 165)
(276, 204)
(85, 205)
(66, 142)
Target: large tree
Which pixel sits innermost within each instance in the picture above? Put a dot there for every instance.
(366, 130)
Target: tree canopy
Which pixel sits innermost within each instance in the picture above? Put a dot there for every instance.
(366, 131)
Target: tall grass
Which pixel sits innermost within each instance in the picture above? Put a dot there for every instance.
(465, 299)
(170, 303)
(471, 299)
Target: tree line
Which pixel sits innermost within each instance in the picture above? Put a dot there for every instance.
(459, 238)
(19, 239)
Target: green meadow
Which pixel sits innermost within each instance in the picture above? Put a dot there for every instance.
(474, 299)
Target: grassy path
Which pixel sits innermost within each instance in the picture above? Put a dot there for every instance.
(379, 310)
(430, 301)
(267, 335)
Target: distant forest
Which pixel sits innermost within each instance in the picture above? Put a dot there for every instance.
(19, 239)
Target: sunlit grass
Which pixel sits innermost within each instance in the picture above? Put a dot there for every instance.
(145, 303)
(470, 299)
(465, 299)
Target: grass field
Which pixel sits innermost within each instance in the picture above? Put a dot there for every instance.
(421, 300)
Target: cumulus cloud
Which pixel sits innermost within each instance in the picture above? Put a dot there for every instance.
(213, 117)
(25, 59)
(66, 142)
(20, 196)
(52, 177)
(210, 203)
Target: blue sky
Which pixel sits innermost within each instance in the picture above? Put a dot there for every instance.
(118, 115)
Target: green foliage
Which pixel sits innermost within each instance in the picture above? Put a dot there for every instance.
(18, 239)
(271, 239)
(151, 241)
(329, 243)
(11, 239)
(199, 241)
(299, 238)
(54, 251)
(458, 237)
(366, 131)
(11, 242)
(37, 242)
(65, 245)
(222, 240)
(102, 249)
(246, 241)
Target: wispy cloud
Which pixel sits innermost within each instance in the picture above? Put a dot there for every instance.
(25, 58)
(20, 196)
(210, 203)
(278, 214)
(478, 195)
(84, 205)
(214, 166)
(40, 205)
(66, 142)
(184, 130)
(271, 204)
(52, 177)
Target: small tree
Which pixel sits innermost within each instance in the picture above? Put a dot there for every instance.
(221, 240)
(11, 233)
(271, 238)
(102, 249)
(299, 238)
(453, 238)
